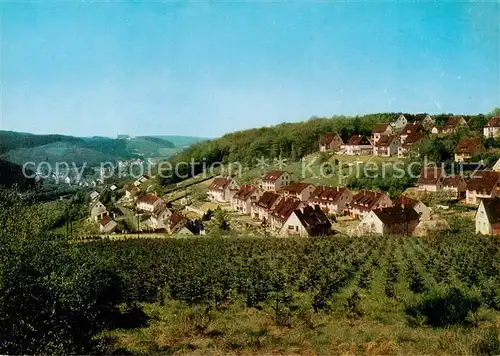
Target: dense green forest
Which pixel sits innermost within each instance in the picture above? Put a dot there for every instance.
(12, 175)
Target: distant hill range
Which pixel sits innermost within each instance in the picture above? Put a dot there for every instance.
(18, 148)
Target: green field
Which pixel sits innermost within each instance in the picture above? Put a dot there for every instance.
(371, 295)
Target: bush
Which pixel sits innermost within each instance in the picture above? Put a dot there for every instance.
(441, 309)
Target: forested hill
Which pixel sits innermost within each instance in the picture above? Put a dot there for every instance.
(290, 140)
(19, 147)
(12, 175)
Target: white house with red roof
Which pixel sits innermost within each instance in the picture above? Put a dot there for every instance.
(107, 225)
(222, 189)
(365, 201)
(297, 190)
(265, 204)
(148, 202)
(282, 211)
(332, 200)
(307, 221)
(380, 130)
(492, 127)
(330, 141)
(387, 146)
(274, 180)
(357, 145)
(244, 198)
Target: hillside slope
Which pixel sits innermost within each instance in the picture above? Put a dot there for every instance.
(12, 175)
(19, 148)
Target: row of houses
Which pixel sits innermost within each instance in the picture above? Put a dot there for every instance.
(386, 140)
(299, 208)
(482, 184)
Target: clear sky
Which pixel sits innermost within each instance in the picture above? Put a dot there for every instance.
(207, 68)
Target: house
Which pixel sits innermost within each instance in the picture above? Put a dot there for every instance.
(365, 201)
(496, 166)
(492, 127)
(177, 222)
(107, 225)
(131, 191)
(244, 198)
(97, 210)
(308, 221)
(266, 203)
(332, 200)
(357, 145)
(140, 180)
(410, 129)
(281, 212)
(274, 180)
(185, 232)
(398, 219)
(435, 129)
(297, 190)
(399, 122)
(94, 195)
(410, 142)
(430, 179)
(468, 147)
(387, 146)
(422, 210)
(381, 130)
(222, 189)
(453, 123)
(160, 216)
(488, 216)
(330, 141)
(455, 184)
(149, 202)
(485, 184)
(426, 121)
(113, 188)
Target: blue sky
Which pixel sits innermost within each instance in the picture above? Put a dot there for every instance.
(207, 68)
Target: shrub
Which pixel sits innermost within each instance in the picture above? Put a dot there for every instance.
(444, 308)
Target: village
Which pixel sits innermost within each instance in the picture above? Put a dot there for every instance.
(278, 203)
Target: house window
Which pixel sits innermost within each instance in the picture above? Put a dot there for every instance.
(290, 227)
(296, 228)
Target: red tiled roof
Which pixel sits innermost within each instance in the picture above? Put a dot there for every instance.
(272, 176)
(324, 194)
(412, 127)
(386, 140)
(105, 220)
(267, 200)
(396, 214)
(366, 199)
(357, 140)
(469, 145)
(285, 208)
(413, 138)
(406, 201)
(493, 122)
(295, 187)
(245, 192)
(484, 181)
(175, 219)
(430, 175)
(327, 138)
(452, 181)
(381, 128)
(160, 208)
(220, 183)
(148, 199)
(452, 122)
(314, 220)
